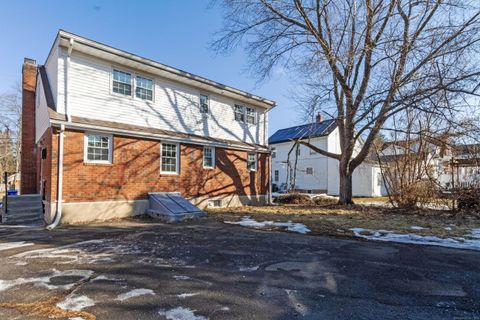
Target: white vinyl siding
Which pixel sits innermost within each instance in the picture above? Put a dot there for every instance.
(169, 159)
(144, 88)
(209, 157)
(98, 148)
(175, 105)
(122, 82)
(252, 161)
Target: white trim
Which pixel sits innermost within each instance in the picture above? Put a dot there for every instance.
(135, 88)
(154, 136)
(177, 158)
(85, 147)
(213, 157)
(256, 161)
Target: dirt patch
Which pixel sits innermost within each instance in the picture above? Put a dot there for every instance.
(48, 307)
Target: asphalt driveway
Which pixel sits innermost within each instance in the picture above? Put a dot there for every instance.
(209, 270)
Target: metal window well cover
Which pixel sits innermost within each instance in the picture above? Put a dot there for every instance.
(171, 206)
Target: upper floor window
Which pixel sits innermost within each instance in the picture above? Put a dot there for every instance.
(309, 171)
(204, 103)
(169, 158)
(245, 114)
(144, 88)
(274, 153)
(239, 113)
(98, 148)
(277, 175)
(122, 82)
(251, 115)
(252, 161)
(208, 157)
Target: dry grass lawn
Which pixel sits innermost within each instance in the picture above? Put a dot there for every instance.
(338, 220)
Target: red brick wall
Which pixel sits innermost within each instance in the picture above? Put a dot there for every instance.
(135, 171)
(28, 156)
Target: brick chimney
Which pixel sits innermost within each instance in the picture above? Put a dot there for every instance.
(28, 166)
(319, 117)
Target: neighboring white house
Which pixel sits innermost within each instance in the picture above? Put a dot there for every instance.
(316, 173)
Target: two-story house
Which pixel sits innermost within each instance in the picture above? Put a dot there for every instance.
(313, 172)
(103, 127)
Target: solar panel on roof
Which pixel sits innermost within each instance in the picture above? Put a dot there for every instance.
(310, 130)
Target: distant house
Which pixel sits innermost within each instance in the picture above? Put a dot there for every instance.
(103, 127)
(314, 172)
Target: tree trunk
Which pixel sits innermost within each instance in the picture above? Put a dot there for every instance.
(345, 192)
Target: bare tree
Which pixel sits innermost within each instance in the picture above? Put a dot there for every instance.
(362, 60)
(10, 130)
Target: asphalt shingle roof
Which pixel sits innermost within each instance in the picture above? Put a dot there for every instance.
(311, 130)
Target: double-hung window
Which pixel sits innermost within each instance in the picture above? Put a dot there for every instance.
(98, 148)
(274, 153)
(252, 161)
(277, 174)
(209, 157)
(122, 82)
(144, 88)
(251, 115)
(169, 158)
(239, 113)
(204, 103)
(309, 171)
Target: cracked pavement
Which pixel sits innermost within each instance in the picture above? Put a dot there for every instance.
(143, 269)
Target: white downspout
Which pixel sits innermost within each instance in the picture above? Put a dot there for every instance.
(67, 70)
(58, 213)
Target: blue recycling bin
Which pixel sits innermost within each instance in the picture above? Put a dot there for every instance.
(12, 192)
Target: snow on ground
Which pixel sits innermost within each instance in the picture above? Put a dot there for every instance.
(134, 293)
(455, 242)
(248, 269)
(45, 281)
(180, 313)
(417, 228)
(187, 295)
(181, 277)
(252, 223)
(13, 245)
(76, 302)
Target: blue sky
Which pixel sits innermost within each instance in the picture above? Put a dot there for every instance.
(172, 32)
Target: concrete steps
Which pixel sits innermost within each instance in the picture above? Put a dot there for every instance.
(24, 209)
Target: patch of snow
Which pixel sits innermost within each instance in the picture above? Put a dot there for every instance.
(45, 281)
(475, 233)
(180, 313)
(248, 269)
(187, 295)
(391, 236)
(252, 223)
(448, 228)
(417, 228)
(13, 245)
(76, 302)
(105, 278)
(181, 277)
(134, 293)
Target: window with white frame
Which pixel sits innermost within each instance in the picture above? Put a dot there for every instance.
(204, 103)
(239, 113)
(274, 153)
(144, 88)
(169, 158)
(209, 157)
(98, 148)
(277, 175)
(252, 161)
(309, 171)
(251, 116)
(122, 82)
